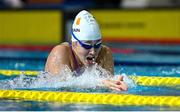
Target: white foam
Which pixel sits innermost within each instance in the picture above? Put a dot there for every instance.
(90, 78)
(172, 71)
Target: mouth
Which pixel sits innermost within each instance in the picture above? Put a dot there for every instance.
(90, 60)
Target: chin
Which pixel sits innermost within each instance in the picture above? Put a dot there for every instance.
(89, 64)
(86, 64)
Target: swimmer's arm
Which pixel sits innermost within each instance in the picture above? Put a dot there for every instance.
(56, 60)
(118, 84)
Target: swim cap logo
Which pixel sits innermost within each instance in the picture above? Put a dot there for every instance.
(78, 21)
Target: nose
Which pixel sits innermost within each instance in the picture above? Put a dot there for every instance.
(92, 51)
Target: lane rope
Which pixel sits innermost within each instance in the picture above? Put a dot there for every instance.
(91, 98)
(140, 80)
(18, 72)
(156, 81)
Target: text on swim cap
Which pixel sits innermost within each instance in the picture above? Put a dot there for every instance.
(76, 30)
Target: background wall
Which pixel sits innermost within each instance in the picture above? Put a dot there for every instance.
(161, 25)
(48, 22)
(30, 27)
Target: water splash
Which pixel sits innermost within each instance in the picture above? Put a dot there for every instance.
(90, 78)
(172, 71)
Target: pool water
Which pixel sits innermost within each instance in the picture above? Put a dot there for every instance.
(51, 106)
(143, 60)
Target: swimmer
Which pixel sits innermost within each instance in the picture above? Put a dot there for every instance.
(85, 50)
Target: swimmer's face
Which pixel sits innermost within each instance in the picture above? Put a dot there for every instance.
(88, 51)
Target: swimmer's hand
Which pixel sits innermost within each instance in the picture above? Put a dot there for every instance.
(118, 84)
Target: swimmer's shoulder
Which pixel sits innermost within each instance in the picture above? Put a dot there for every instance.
(62, 48)
(105, 54)
(105, 49)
